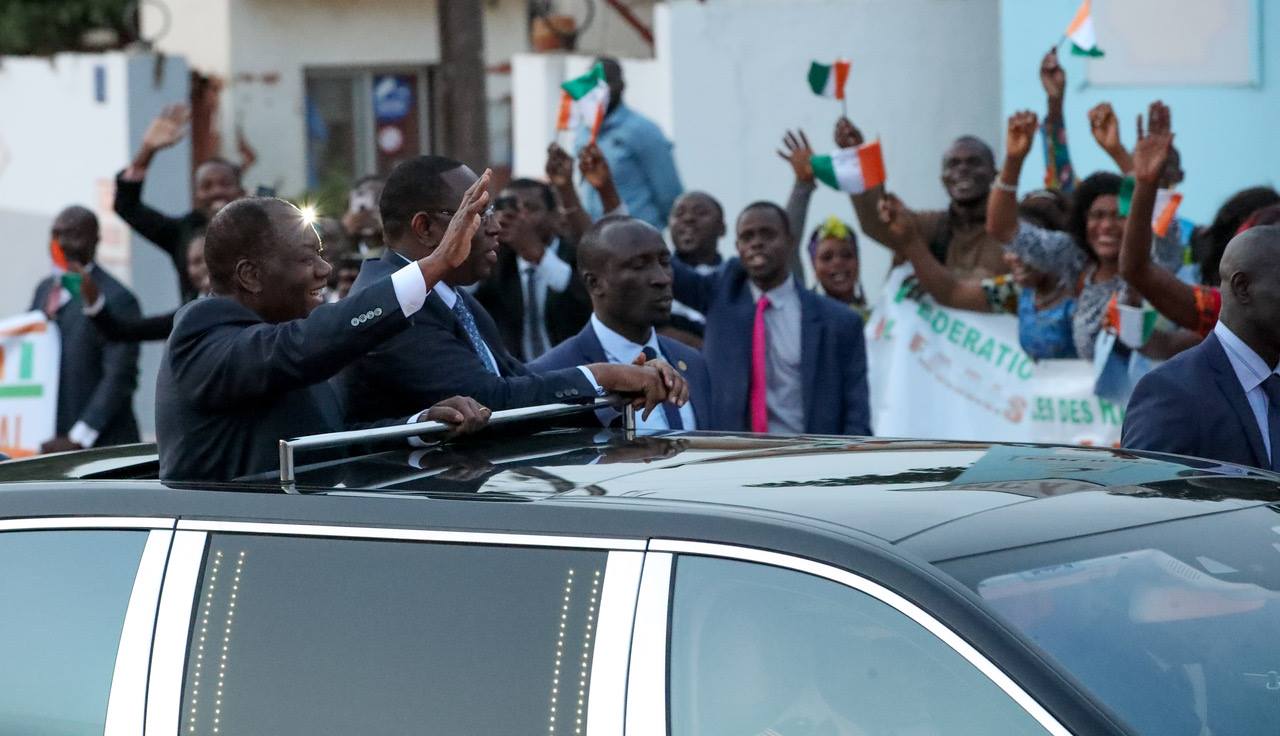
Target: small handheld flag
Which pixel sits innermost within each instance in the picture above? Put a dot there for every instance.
(58, 255)
(852, 170)
(1166, 210)
(829, 80)
(590, 94)
(1084, 41)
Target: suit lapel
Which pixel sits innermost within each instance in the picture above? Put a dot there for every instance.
(1230, 386)
(810, 347)
(589, 346)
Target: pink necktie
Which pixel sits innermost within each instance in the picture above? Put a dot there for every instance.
(759, 377)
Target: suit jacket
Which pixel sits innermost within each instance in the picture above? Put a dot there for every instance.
(433, 360)
(170, 234)
(1193, 404)
(833, 359)
(133, 328)
(585, 348)
(231, 386)
(564, 313)
(97, 377)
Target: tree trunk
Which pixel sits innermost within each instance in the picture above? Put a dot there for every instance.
(465, 107)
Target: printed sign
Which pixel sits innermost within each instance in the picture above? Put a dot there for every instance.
(30, 351)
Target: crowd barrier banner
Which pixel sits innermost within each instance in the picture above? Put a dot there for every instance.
(942, 373)
(30, 351)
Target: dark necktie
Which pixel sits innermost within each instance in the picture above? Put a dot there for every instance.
(1271, 387)
(668, 409)
(463, 313)
(532, 319)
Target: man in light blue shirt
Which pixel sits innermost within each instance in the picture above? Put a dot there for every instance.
(639, 157)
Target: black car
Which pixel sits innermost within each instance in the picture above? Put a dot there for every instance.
(551, 578)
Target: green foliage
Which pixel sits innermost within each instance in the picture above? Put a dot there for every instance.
(46, 27)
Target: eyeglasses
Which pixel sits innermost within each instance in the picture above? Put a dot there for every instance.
(485, 217)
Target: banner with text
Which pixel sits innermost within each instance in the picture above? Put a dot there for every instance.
(943, 373)
(29, 361)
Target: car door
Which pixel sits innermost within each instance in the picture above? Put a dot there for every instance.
(731, 640)
(302, 629)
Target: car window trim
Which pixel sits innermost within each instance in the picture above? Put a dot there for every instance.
(414, 535)
(647, 673)
(646, 650)
(172, 629)
(126, 705)
(607, 691)
(86, 522)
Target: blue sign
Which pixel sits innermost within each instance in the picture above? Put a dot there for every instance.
(392, 97)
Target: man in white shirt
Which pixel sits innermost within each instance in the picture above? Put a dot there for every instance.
(534, 294)
(626, 268)
(1221, 399)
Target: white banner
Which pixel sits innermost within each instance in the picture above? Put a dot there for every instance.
(30, 351)
(942, 373)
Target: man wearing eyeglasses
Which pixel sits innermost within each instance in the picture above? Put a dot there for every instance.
(534, 293)
(453, 346)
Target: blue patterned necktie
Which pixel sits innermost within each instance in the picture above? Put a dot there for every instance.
(473, 333)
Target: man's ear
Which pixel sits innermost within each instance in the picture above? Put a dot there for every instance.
(1239, 285)
(248, 277)
(721, 229)
(423, 227)
(593, 283)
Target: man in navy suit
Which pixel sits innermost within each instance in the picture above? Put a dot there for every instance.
(626, 268)
(785, 360)
(249, 365)
(452, 346)
(1221, 399)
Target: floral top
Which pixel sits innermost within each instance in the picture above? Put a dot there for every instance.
(1208, 305)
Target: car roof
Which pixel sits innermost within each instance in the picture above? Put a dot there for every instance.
(937, 499)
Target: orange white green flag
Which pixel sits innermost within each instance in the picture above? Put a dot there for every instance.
(590, 99)
(852, 170)
(1084, 41)
(828, 80)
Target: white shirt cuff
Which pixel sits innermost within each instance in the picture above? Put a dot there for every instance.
(93, 310)
(591, 377)
(411, 289)
(83, 435)
(554, 272)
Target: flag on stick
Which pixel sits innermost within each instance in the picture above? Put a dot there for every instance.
(590, 95)
(828, 80)
(1166, 210)
(852, 170)
(1084, 42)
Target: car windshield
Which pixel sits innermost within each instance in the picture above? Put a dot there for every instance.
(1174, 626)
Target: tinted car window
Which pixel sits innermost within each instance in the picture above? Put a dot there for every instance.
(314, 636)
(1175, 626)
(761, 650)
(63, 596)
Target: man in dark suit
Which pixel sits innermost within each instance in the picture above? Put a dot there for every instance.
(97, 377)
(627, 271)
(785, 360)
(453, 346)
(1221, 399)
(249, 365)
(534, 293)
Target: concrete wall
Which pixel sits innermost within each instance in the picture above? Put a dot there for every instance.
(1226, 133)
(64, 147)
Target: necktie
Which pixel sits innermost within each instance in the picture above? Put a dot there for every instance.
(669, 409)
(468, 321)
(532, 319)
(53, 300)
(1271, 387)
(759, 396)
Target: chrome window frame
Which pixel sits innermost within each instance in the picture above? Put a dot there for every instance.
(646, 701)
(610, 655)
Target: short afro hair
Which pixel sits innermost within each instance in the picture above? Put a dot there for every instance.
(413, 186)
(765, 204)
(238, 231)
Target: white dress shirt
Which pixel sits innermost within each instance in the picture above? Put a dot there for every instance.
(1251, 370)
(784, 384)
(618, 349)
(549, 273)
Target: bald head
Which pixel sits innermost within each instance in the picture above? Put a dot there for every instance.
(1251, 289)
(614, 237)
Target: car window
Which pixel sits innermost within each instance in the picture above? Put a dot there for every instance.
(304, 636)
(63, 597)
(761, 650)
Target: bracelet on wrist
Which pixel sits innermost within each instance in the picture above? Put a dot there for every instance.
(1002, 186)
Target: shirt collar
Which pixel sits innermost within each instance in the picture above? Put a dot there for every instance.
(778, 295)
(1250, 368)
(524, 265)
(619, 348)
(443, 290)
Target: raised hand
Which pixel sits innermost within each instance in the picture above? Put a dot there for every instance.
(1152, 149)
(847, 134)
(1105, 127)
(899, 219)
(1052, 76)
(594, 167)
(455, 246)
(559, 167)
(168, 128)
(1021, 134)
(798, 154)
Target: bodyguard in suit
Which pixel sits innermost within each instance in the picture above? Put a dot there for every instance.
(534, 294)
(1221, 399)
(785, 360)
(453, 346)
(627, 270)
(97, 377)
(250, 364)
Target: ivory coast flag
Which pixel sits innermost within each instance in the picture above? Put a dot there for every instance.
(590, 95)
(852, 170)
(1166, 210)
(1084, 42)
(828, 81)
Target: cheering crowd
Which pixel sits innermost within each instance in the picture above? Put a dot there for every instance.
(435, 298)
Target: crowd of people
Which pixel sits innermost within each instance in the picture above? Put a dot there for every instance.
(433, 297)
